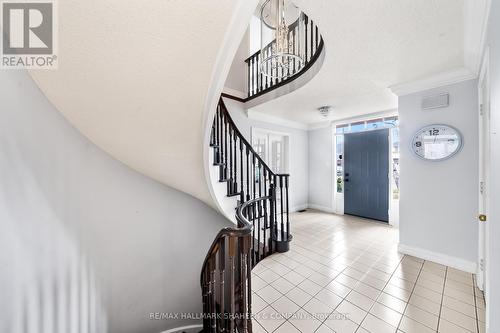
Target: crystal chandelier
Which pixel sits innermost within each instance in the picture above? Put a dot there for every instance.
(282, 39)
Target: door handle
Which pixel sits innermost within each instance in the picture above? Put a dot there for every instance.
(482, 218)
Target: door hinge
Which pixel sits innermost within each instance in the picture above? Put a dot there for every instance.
(482, 187)
(481, 264)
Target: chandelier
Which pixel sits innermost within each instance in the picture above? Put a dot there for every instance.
(282, 39)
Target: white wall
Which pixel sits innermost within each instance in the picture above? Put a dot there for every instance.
(438, 203)
(321, 171)
(145, 241)
(237, 77)
(299, 165)
(493, 294)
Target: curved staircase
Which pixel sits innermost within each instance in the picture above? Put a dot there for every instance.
(250, 194)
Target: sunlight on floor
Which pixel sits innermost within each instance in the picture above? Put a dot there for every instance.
(343, 274)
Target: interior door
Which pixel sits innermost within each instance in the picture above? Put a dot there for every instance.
(484, 174)
(366, 174)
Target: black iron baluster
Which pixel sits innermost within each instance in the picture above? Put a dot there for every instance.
(259, 71)
(235, 164)
(306, 21)
(242, 193)
(248, 174)
(287, 210)
(281, 208)
(230, 179)
(222, 270)
(312, 37)
(249, 92)
(317, 39)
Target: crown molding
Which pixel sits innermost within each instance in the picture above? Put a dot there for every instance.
(435, 81)
(261, 116)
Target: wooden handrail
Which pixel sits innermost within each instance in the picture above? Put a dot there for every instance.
(263, 227)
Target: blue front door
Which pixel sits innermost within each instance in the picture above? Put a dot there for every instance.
(366, 175)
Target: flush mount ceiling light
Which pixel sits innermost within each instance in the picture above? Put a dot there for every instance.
(282, 39)
(325, 110)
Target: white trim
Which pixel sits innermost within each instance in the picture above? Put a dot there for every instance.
(476, 14)
(261, 116)
(298, 207)
(319, 125)
(288, 144)
(365, 117)
(440, 258)
(435, 81)
(234, 92)
(321, 208)
(182, 329)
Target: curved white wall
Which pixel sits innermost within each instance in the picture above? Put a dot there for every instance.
(145, 242)
(141, 78)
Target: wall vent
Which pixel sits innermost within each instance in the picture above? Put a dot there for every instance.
(436, 102)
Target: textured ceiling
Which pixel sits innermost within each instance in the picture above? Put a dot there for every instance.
(134, 77)
(371, 45)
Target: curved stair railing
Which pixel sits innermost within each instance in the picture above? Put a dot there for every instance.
(263, 227)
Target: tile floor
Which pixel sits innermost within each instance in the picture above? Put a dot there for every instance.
(344, 274)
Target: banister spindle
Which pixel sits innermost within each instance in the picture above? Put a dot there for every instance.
(281, 208)
(287, 209)
(242, 193)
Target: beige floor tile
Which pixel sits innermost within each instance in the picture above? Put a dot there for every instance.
(360, 300)
(320, 279)
(346, 280)
(287, 328)
(338, 288)
(269, 276)
(298, 296)
(392, 302)
(376, 325)
(318, 309)
(309, 287)
(422, 316)
(256, 328)
(448, 327)
(269, 294)
(258, 283)
(459, 319)
(374, 282)
(352, 312)
(324, 329)
(367, 290)
(329, 298)
(435, 287)
(402, 294)
(461, 296)
(386, 314)
(258, 303)
(282, 285)
(269, 319)
(425, 304)
(427, 293)
(304, 322)
(285, 306)
(293, 277)
(340, 324)
(459, 306)
(409, 325)
(401, 283)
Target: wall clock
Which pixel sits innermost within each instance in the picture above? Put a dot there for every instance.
(436, 142)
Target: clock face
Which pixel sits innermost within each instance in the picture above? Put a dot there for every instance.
(436, 142)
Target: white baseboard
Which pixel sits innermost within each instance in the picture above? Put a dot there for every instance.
(298, 207)
(321, 208)
(440, 258)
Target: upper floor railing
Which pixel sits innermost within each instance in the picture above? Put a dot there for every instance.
(259, 84)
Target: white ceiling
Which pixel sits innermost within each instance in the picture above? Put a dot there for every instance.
(135, 77)
(370, 46)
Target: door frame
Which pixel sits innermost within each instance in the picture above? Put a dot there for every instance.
(337, 199)
(482, 280)
(254, 130)
(389, 170)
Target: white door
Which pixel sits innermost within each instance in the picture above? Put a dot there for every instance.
(484, 174)
(273, 148)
